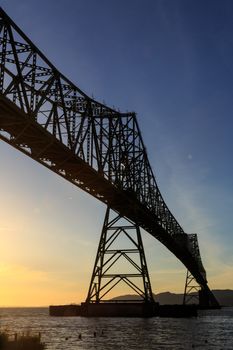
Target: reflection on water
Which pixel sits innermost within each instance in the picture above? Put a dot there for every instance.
(211, 330)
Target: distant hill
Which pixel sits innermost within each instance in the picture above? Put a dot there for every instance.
(168, 298)
(224, 297)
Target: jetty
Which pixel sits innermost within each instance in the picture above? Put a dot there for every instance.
(122, 309)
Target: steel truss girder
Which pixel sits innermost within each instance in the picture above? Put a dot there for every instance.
(108, 141)
(106, 273)
(99, 149)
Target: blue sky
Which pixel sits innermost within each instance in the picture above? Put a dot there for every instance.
(171, 63)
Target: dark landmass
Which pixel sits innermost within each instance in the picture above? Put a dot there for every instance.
(224, 297)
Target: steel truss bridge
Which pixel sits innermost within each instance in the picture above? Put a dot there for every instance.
(98, 149)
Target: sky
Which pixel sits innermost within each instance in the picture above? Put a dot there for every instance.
(171, 63)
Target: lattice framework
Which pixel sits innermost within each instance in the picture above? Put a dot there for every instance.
(108, 269)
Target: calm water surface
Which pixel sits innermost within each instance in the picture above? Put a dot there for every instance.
(211, 330)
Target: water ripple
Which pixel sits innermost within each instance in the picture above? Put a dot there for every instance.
(211, 330)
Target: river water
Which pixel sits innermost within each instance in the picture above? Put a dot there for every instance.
(210, 330)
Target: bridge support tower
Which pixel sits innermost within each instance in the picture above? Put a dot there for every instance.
(116, 265)
(191, 290)
(194, 293)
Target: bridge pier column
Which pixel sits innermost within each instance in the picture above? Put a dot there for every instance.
(120, 259)
(204, 300)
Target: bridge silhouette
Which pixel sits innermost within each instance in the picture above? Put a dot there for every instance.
(97, 148)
